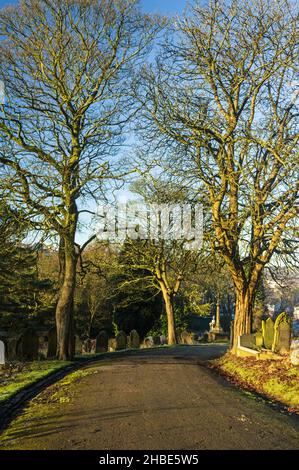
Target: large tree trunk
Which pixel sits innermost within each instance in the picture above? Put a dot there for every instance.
(170, 316)
(64, 308)
(243, 314)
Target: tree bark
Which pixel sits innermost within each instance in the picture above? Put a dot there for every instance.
(64, 308)
(243, 314)
(170, 316)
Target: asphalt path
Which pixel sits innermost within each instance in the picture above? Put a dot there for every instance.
(162, 399)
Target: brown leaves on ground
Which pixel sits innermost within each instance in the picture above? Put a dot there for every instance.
(276, 380)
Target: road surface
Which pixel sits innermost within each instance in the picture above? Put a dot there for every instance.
(153, 399)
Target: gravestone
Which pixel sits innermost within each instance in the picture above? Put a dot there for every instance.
(187, 338)
(163, 339)
(93, 345)
(86, 346)
(27, 348)
(134, 339)
(248, 341)
(294, 352)
(42, 344)
(112, 344)
(259, 340)
(2, 352)
(102, 342)
(121, 341)
(148, 342)
(156, 340)
(52, 343)
(282, 334)
(268, 332)
(11, 348)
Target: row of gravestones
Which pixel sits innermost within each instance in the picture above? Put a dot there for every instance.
(102, 343)
(28, 346)
(152, 341)
(276, 337)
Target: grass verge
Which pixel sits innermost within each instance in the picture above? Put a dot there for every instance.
(44, 413)
(12, 382)
(277, 380)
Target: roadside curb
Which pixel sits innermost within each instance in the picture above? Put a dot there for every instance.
(12, 405)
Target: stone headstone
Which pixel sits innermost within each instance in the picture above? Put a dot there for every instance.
(248, 341)
(282, 334)
(2, 352)
(156, 340)
(42, 345)
(28, 346)
(121, 341)
(86, 345)
(52, 343)
(93, 346)
(294, 352)
(134, 339)
(102, 342)
(112, 344)
(187, 338)
(259, 340)
(11, 348)
(163, 339)
(268, 332)
(89, 346)
(148, 342)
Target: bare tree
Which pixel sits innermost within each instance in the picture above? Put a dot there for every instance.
(66, 66)
(220, 106)
(160, 266)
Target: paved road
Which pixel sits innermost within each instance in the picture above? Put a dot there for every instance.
(155, 399)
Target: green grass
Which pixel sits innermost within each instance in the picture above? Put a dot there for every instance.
(31, 373)
(43, 408)
(276, 379)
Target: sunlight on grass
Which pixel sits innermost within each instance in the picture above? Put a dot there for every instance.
(32, 372)
(276, 379)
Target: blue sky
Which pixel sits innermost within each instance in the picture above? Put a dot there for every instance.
(165, 7)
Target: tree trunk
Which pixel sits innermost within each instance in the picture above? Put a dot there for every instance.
(170, 317)
(64, 308)
(217, 323)
(243, 314)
